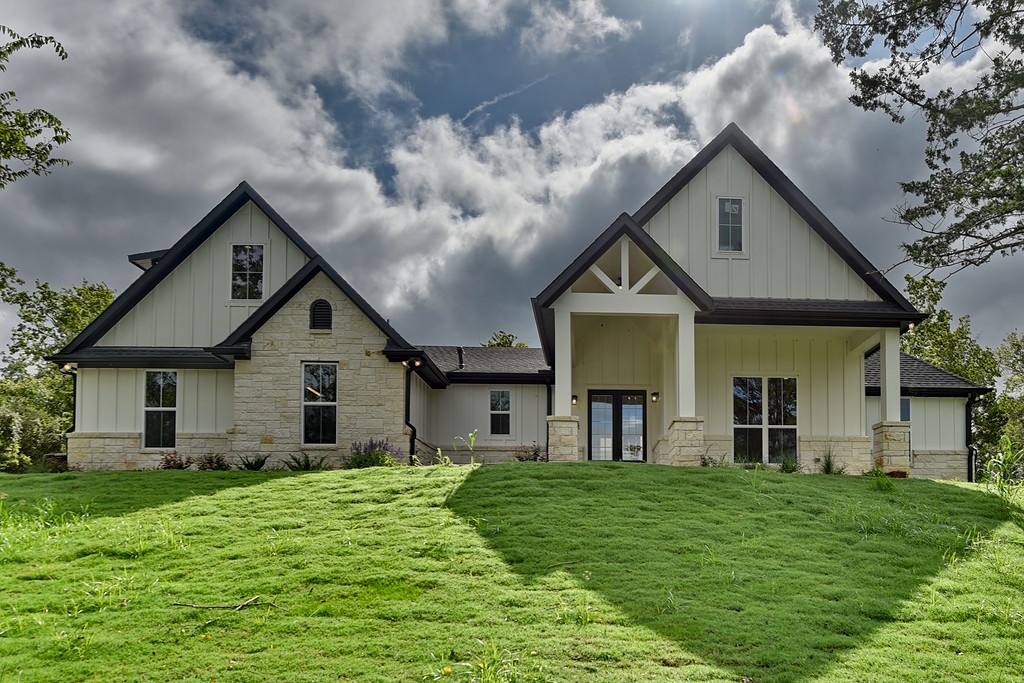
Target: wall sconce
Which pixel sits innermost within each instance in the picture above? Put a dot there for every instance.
(575, 399)
(655, 397)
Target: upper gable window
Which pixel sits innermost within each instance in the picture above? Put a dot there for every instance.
(247, 271)
(730, 226)
(320, 315)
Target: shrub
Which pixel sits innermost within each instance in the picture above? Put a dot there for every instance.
(1004, 471)
(880, 480)
(11, 457)
(212, 461)
(253, 463)
(524, 453)
(373, 453)
(172, 460)
(789, 465)
(830, 463)
(304, 463)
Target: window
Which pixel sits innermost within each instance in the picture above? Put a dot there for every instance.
(247, 271)
(160, 409)
(319, 403)
(764, 427)
(320, 315)
(730, 225)
(501, 417)
(904, 410)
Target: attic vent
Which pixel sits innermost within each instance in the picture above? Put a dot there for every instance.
(320, 315)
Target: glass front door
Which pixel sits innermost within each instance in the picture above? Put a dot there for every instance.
(618, 423)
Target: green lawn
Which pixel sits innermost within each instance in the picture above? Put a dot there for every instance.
(567, 572)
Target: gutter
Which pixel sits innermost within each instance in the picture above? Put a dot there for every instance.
(972, 452)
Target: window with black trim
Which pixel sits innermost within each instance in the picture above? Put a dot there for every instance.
(247, 271)
(319, 403)
(501, 413)
(730, 225)
(764, 422)
(320, 315)
(904, 410)
(160, 409)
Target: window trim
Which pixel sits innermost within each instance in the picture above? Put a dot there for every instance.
(491, 413)
(162, 409)
(716, 252)
(764, 426)
(231, 271)
(303, 403)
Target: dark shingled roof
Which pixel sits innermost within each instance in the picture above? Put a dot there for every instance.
(918, 378)
(840, 312)
(490, 363)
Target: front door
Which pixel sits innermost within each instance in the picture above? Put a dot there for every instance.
(618, 423)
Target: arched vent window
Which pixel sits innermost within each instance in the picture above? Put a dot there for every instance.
(320, 315)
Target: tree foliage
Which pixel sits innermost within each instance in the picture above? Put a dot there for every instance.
(503, 338)
(971, 206)
(36, 399)
(28, 138)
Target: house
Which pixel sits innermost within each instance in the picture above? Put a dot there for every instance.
(727, 317)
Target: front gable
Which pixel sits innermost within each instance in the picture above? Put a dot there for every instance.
(790, 250)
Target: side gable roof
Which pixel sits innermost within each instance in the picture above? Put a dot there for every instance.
(918, 378)
(489, 364)
(173, 257)
(624, 225)
(732, 135)
(243, 333)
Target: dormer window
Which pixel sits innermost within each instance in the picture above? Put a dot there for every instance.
(320, 315)
(730, 226)
(247, 271)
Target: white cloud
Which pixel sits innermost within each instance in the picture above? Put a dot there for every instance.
(583, 26)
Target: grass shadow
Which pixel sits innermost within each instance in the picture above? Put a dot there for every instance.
(116, 494)
(770, 576)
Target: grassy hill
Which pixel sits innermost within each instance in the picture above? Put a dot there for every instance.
(521, 572)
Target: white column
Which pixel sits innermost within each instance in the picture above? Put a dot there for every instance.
(889, 367)
(686, 395)
(563, 361)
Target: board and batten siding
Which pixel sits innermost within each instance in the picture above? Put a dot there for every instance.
(830, 386)
(785, 258)
(421, 409)
(461, 408)
(110, 400)
(936, 423)
(192, 306)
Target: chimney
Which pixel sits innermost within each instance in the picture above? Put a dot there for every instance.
(462, 359)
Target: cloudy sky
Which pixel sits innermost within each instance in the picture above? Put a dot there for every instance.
(449, 157)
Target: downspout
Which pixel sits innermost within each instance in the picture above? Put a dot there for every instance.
(408, 410)
(68, 370)
(547, 435)
(972, 452)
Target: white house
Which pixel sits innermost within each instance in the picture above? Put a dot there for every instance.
(727, 317)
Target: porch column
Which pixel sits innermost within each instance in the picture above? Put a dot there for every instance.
(686, 395)
(563, 361)
(890, 374)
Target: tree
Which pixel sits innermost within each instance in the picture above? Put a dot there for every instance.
(27, 138)
(36, 399)
(952, 347)
(503, 338)
(971, 206)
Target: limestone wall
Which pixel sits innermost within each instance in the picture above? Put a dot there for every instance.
(940, 465)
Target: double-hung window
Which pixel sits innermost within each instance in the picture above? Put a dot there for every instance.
(501, 412)
(320, 403)
(160, 409)
(764, 417)
(247, 271)
(730, 226)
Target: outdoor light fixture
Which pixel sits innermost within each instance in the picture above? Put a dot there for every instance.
(911, 327)
(575, 399)
(655, 397)
(618, 281)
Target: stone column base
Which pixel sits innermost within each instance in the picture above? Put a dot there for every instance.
(563, 438)
(890, 446)
(683, 444)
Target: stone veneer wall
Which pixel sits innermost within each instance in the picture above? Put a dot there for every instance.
(683, 444)
(563, 438)
(940, 465)
(371, 389)
(890, 446)
(852, 453)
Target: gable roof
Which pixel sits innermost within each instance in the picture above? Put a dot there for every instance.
(733, 136)
(173, 257)
(918, 378)
(243, 333)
